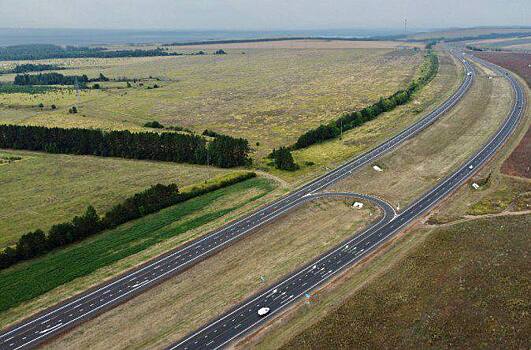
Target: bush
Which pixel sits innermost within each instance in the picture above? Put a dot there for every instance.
(210, 133)
(154, 124)
(283, 159)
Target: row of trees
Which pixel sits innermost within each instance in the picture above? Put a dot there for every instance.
(153, 199)
(354, 119)
(55, 79)
(50, 79)
(223, 151)
(30, 67)
(45, 51)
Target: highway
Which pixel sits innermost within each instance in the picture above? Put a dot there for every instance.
(69, 313)
(278, 297)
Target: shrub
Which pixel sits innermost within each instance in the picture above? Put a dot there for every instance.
(154, 124)
(283, 159)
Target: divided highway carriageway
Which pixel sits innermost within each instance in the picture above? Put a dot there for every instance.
(244, 317)
(69, 313)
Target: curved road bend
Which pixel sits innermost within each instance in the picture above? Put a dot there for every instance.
(244, 317)
(87, 305)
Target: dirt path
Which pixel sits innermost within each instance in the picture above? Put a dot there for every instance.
(477, 217)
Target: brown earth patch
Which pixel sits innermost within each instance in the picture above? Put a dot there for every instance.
(520, 63)
(519, 162)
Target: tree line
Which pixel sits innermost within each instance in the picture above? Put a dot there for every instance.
(55, 79)
(30, 67)
(354, 119)
(50, 79)
(153, 199)
(45, 51)
(223, 151)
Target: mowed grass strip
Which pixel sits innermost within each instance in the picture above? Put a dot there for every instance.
(41, 190)
(29, 280)
(466, 286)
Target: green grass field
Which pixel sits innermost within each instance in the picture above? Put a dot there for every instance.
(272, 95)
(41, 189)
(31, 279)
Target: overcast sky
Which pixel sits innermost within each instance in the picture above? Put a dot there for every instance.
(261, 14)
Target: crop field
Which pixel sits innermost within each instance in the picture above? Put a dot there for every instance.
(516, 62)
(39, 189)
(181, 304)
(462, 286)
(33, 278)
(422, 161)
(272, 95)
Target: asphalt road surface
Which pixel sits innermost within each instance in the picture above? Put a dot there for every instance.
(244, 317)
(69, 313)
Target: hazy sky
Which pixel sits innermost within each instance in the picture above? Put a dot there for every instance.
(261, 14)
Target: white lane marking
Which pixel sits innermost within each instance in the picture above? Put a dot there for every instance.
(316, 284)
(147, 266)
(51, 329)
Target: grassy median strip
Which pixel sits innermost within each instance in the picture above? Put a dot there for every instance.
(182, 304)
(29, 280)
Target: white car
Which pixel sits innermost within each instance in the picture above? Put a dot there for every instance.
(471, 167)
(263, 311)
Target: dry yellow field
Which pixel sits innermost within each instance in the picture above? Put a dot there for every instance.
(302, 44)
(272, 95)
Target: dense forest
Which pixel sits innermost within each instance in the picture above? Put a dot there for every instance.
(45, 51)
(354, 119)
(30, 67)
(50, 79)
(223, 151)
